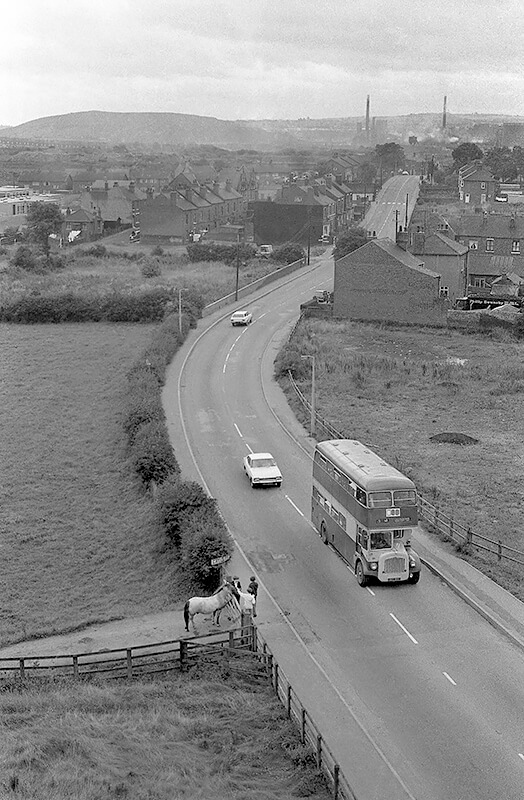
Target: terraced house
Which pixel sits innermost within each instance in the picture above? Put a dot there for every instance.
(495, 245)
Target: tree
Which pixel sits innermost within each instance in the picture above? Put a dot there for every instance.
(502, 163)
(349, 241)
(368, 173)
(42, 220)
(390, 156)
(287, 253)
(466, 152)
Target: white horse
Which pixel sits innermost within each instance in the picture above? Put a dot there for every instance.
(210, 605)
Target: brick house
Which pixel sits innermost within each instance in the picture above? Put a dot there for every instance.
(381, 281)
(444, 256)
(81, 226)
(300, 213)
(476, 185)
(115, 204)
(495, 245)
(177, 214)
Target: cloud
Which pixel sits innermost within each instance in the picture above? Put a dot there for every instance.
(248, 58)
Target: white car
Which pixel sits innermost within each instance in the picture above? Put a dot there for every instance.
(241, 317)
(262, 470)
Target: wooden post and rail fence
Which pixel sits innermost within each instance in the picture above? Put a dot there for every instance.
(243, 650)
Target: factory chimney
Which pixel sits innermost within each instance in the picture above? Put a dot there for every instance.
(367, 119)
(444, 114)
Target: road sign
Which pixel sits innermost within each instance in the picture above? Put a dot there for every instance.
(215, 562)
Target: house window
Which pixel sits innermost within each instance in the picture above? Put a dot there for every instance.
(489, 245)
(479, 283)
(515, 246)
(482, 185)
(473, 244)
(483, 198)
(444, 291)
(466, 198)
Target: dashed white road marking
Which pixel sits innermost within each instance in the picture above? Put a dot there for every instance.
(370, 591)
(294, 506)
(450, 679)
(238, 430)
(393, 617)
(521, 755)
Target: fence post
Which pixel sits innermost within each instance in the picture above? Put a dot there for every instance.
(129, 663)
(231, 642)
(336, 781)
(436, 519)
(75, 666)
(22, 669)
(303, 726)
(183, 656)
(319, 750)
(289, 690)
(270, 666)
(468, 537)
(451, 528)
(276, 678)
(499, 551)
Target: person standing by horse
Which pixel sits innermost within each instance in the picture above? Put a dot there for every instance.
(253, 586)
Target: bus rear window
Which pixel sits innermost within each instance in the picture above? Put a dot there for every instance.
(406, 497)
(379, 499)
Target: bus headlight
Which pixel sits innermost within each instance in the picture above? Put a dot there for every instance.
(373, 565)
(412, 562)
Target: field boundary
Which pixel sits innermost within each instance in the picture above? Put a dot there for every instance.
(242, 650)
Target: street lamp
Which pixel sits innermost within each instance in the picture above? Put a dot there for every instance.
(313, 396)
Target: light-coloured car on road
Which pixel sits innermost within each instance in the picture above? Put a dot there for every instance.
(241, 318)
(262, 470)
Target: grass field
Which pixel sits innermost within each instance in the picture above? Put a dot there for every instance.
(395, 388)
(101, 276)
(213, 736)
(78, 538)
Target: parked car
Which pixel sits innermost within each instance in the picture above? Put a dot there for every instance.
(265, 251)
(241, 318)
(134, 235)
(262, 470)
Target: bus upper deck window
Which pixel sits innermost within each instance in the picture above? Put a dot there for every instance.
(361, 496)
(405, 497)
(379, 499)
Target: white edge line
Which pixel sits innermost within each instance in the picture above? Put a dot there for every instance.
(238, 430)
(294, 506)
(403, 628)
(450, 679)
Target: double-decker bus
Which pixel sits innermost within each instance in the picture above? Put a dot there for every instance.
(366, 509)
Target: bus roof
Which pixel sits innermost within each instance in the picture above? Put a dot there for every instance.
(364, 466)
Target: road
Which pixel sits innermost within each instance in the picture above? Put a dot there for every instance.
(380, 220)
(418, 696)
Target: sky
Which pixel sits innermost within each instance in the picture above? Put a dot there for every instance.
(261, 59)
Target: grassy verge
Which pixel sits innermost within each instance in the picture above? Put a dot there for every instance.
(213, 736)
(395, 388)
(80, 540)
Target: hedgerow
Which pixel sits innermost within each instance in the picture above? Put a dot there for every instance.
(194, 529)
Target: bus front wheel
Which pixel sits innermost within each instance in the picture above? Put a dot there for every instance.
(361, 576)
(323, 532)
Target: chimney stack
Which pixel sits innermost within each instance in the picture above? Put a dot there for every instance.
(444, 113)
(367, 119)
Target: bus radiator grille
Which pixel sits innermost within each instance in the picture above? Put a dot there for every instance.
(395, 564)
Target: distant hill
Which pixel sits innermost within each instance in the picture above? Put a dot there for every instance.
(147, 128)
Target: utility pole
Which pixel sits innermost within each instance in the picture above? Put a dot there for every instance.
(180, 311)
(238, 263)
(308, 234)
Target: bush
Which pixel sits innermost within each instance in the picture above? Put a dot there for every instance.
(214, 251)
(152, 453)
(288, 253)
(200, 544)
(182, 502)
(157, 250)
(25, 258)
(98, 250)
(151, 268)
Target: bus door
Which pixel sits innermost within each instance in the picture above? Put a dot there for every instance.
(362, 543)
